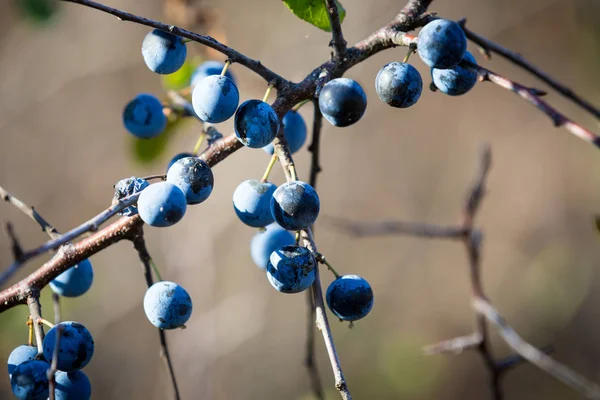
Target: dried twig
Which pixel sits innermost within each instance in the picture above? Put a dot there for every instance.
(30, 212)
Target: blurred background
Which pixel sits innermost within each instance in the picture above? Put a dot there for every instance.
(65, 80)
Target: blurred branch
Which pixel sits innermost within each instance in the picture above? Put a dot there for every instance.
(140, 246)
(516, 58)
(337, 37)
(30, 212)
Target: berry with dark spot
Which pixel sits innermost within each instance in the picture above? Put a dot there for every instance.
(20, 355)
(72, 386)
(256, 124)
(266, 242)
(399, 84)
(342, 102)
(75, 281)
(252, 202)
(291, 269)
(163, 52)
(455, 81)
(294, 130)
(215, 99)
(29, 380)
(194, 177)
(442, 44)
(75, 349)
(127, 187)
(162, 204)
(143, 116)
(350, 297)
(167, 305)
(295, 205)
(179, 157)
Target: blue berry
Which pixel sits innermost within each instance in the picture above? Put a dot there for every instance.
(342, 102)
(265, 243)
(399, 84)
(294, 129)
(75, 281)
(20, 355)
(252, 202)
(215, 99)
(143, 116)
(455, 81)
(295, 205)
(29, 380)
(350, 297)
(256, 124)
(162, 204)
(164, 53)
(126, 187)
(442, 44)
(167, 305)
(194, 177)
(179, 157)
(75, 349)
(291, 269)
(72, 386)
(208, 68)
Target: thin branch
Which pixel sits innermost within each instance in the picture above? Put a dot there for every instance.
(16, 248)
(338, 43)
(589, 389)
(30, 212)
(54, 366)
(232, 54)
(140, 246)
(519, 60)
(35, 312)
(533, 97)
(315, 145)
(456, 345)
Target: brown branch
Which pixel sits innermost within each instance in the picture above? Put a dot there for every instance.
(140, 246)
(533, 97)
(315, 145)
(516, 58)
(16, 248)
(30, 212)
(232, 54)
(35, 312)
(54, 366)
(338, 43)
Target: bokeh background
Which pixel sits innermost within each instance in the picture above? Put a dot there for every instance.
(64, 83)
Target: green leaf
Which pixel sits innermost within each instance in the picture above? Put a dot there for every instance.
(38, 10)
(179, 79)
(146, 151)
(314, 12)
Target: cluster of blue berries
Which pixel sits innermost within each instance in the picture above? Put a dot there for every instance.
(28, 370)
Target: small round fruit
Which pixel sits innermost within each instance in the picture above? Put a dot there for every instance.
(350, 297)
(208, 68)
(75, 281)
(164, 53)
(143, 116)
(194, 177)
(455, 81)
(127, 187)
(252, 202)
(29, 380)
(295, 205)
(291, 269)
(178, 157)
(399, 84)
(342, 102)
(294, 130)
(442, 44)
(256, 124)
(215, 99)
(167, 305)
(265, 243)
(72, 386)
(75, 349)
(162, 204)
(19, 355)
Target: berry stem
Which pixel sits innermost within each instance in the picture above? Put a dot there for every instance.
(269, 167)
(267, 93)
(227, 64)
(411, 49)
(199, 142)
(299, 105)
(321, 258)
(45, 322)
(155, 269)
(30, 325)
